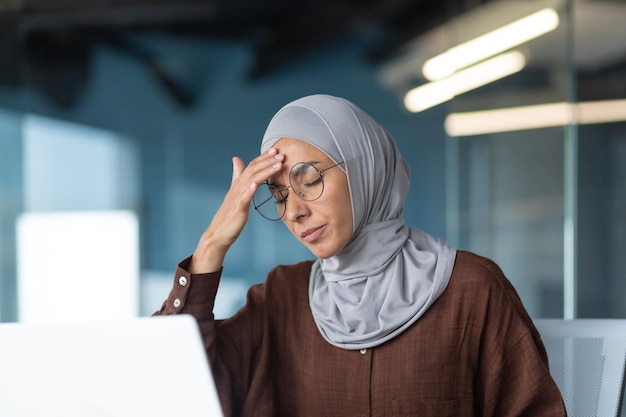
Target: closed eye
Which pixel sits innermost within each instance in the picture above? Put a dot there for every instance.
(314, 182)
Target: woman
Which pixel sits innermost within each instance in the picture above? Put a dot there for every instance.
(387, 321)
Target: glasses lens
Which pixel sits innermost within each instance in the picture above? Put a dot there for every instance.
(306, 181)
(269, 201)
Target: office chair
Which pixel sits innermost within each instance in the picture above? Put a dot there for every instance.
(588, 363)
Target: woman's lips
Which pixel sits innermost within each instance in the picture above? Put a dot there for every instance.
(311, 234)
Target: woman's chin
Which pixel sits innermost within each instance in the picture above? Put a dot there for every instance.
(322, 253)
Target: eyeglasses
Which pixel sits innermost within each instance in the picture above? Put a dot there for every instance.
(306, 181)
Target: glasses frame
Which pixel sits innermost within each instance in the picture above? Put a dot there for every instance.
(281, 191)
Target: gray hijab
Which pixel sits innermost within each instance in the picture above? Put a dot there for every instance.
(388, 275)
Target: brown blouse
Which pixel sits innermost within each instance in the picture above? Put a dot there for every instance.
(475, 352)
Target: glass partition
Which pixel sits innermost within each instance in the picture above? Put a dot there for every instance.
(600, 56)
(509, 194)
(536, 165)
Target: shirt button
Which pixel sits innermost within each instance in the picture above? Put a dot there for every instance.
(177, 303)
(363, 351)
(182, 281)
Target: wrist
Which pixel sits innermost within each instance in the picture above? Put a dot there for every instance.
(208, 256)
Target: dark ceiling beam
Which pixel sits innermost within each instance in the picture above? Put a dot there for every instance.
(55, 14)
(55, 38)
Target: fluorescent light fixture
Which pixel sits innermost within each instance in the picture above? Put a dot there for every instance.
(534, 117)
(437, 92)
(490, 44)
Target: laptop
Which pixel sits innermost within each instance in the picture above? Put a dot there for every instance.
(148, 367)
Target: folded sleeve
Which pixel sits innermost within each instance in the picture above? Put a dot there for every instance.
(194, 294)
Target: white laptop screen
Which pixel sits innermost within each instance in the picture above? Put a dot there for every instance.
(152, 367)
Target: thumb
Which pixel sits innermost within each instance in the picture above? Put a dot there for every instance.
(238, 167)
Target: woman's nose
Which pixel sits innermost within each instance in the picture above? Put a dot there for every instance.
(296, 209)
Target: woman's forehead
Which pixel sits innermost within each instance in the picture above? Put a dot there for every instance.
(296, 150)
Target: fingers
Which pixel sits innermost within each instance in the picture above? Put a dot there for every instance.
(258, 170)
(246, 179)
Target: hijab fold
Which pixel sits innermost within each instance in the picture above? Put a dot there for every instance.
(389, 274)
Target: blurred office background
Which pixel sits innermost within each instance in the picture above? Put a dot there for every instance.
(118, 121)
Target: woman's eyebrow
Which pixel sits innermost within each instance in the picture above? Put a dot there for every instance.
(301, 167)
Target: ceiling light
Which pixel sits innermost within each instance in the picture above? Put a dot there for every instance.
(490, 44)
(437, 92)
(534, 117)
